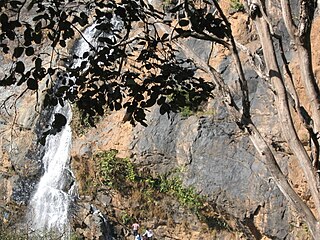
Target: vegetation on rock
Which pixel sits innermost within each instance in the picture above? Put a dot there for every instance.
(120, 174)
(134, 65)
(151, 196)
(236, 5)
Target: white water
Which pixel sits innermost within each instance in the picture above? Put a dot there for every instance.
(50, 203)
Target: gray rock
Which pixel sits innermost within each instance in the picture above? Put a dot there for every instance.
(94, 223)
(103, 198)
(22, 189)
(217, 159)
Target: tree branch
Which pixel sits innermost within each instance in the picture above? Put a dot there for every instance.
(287, 18)
(288, 129)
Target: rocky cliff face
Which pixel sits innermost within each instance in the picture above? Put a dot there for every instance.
(206, 148)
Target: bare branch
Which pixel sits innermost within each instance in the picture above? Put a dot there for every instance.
(288, 129)
(303, 118)
(243, 81)
(287, 17)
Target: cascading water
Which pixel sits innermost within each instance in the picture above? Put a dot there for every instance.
(50, 203)
(49, 206)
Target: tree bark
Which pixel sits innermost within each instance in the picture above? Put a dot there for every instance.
(301, 37)
(285, 118)
(282, 182)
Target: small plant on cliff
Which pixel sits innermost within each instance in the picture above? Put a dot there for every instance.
(237, 6)
(184, 102)
(186, 111)
(125, 218)
(187, 196)
(115, 172)
(120, 173)
(81, 123)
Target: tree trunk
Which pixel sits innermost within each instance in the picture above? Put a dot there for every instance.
(282, 182)
(287, 126)
(285, 118)
(301, 37)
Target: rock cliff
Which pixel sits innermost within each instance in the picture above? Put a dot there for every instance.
(205, 149)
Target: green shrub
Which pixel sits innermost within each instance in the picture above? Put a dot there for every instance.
(82, 123)
(187, 196)
(120, 173)
(186, 111)
(236, 5)
(125, 218)
(116, 172)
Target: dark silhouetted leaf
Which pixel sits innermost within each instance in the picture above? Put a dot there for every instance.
(51, 71)
(105, 39)
(161, 100)
(104, 27)
(29, 51)
(22, 80)
(38, 27)
(27, 37)
(184, 22)
(32, 84)
(18, 52)
(83, 19)
(120, 11)
(148, 66)
(38, 63)
(85, 54)
(62, 43)
(15, 4)
(59, 121)
(14, 24)
(7, 81)
(117, 106)
(164, 36)
(20, 67)
(165, 108)
(5, 48)
(37, 37)
(11, 34)
(38, 17)
(4, 19)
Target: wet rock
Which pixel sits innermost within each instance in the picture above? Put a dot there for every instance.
(92, 223)
(23, 187)
(104, 198)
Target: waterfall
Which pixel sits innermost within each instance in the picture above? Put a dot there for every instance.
(49, 206)
(50, 203)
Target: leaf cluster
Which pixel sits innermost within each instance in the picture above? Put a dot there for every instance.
(118, 69)
(115, 171)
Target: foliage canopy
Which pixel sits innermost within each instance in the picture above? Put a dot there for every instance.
(121, 68)
(132, 62)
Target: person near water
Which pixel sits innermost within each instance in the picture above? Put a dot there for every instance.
(148, 233)
(135, 228)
